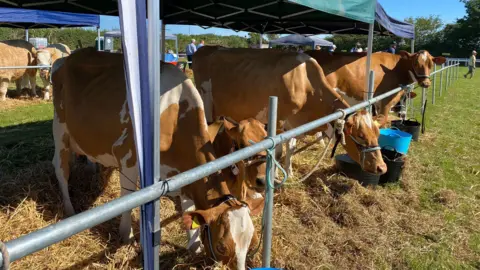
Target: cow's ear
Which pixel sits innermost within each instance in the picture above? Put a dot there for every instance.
(380, 120)
(231, 127)
(405, 54)
(412, 95)
(439, 60)
(348, 129)
(213, 129)
(196, 219)
(255, 205)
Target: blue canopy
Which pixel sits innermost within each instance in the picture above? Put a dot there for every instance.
(296, 39)
(392, 25)
(28, 19)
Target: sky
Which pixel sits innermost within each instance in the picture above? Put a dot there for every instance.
(448, 10)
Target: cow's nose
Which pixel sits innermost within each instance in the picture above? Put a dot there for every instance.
(260, 182)
(382, 169)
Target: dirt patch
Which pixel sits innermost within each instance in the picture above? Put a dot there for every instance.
(446, 197)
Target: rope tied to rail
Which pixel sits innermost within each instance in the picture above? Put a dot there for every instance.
(271, 159)
(5, 256)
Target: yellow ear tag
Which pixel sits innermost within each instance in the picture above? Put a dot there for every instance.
(376, 123)
(195, 223)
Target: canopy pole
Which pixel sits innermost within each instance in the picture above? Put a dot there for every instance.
(26, 34)
(412, 45)
(260, 42)
(162, 43)
(98, 38)
(154, 26)
(369, 60)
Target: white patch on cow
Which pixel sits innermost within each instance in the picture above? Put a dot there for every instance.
(207, 98)
(128, 182)
(424, 56)
(256, 195)
(59, 131)
(329, 132)
(107, 160)
(183, 91)
(47, 95)
(367, 119)
(241, 229)
(302, 58)
(121, 139)
(350, 100)
(262, 115)
(124, 118)
(291, 145)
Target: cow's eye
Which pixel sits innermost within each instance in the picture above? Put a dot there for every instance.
(221, 249)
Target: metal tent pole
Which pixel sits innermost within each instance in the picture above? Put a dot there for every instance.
(98, 38)
(154, 49)
(267, 219)
(26, 34)
(434, 82)
(371, 86)
(260, 42)
(412, 46)
(162, 43)
(369, 60)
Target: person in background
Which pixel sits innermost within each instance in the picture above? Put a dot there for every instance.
(190, 50)
(357, 48)
(318, 48)
(332, 48)
(392, 47)
(202, 43)
(300, 49)
(471, 64)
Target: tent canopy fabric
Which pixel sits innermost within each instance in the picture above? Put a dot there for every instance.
(296, 39)
(28, 19)
(118, 34)
(261, 16)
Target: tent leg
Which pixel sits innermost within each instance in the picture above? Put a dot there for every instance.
(26, 34)
(98, 38)
(369, 60)
(260, 42)
(412, 46)
(162, 43)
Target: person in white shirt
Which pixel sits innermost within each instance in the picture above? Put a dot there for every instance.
(357, 48)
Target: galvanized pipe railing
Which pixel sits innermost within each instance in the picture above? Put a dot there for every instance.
(22, 67)
(40, 239)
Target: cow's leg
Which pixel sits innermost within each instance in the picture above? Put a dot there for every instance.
(278, 156)
(128, 182)
(3, 89)
(47, 86)
(61, 162)
(33, 84)
(194, 244)
(291, 145)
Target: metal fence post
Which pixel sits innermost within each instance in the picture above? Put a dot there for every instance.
(434, 82)
(272, 130)
(441, 79)
(424, 97)
(447, 79)
(371, 85)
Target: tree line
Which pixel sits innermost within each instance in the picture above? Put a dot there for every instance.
(457, 39)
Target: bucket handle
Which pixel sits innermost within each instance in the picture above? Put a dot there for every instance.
(397, 135)
(409, 119)
(394, 150)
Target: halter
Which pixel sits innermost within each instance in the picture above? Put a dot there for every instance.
(418, 76)
(206, 228)
(363, 148)
(257, 158)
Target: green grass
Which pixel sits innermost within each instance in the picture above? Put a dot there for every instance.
(25, 136)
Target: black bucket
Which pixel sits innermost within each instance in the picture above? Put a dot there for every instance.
(395, 163)
(409, 126)
(353, 170)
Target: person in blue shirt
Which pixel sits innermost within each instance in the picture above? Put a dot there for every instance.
(190, 50)
(202, 43)
(392, 48)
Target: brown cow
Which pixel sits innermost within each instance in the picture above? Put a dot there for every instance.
(346, 73)
(17, 53)
(91, 117)
(238, 82)
(46, 57)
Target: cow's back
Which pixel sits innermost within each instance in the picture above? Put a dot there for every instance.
(61, 47)
(16, 53)
(239, 81)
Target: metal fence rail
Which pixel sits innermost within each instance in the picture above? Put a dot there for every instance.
(22, 67)
(54, 233)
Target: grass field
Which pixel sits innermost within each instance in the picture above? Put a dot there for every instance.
(430, 220)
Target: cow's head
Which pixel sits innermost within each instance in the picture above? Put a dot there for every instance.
(44, 58)
(420, 64)
(361, 137)
(227, 229)
(239, 135)
(401, 107)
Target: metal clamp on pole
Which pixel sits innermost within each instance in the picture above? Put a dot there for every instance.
(270, 174)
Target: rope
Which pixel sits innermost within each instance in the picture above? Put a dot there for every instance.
(5, 256)
(271, 158)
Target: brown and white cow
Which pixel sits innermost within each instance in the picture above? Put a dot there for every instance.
(238, 82)
(346, 73)
(46, 57)
(91, 117)
(17, 53)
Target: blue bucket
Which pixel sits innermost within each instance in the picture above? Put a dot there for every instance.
(395, 138)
